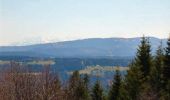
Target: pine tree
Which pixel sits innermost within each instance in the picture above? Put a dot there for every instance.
(166, 69)
(86, 87)
(86, 80)
(114, 93)
(74, 82)
(97, 92)
(123, 91)
(81, 92)
(166, 72)
(143, 57)
(156, 70)
(78, 89)
(139, 71)
(133, 81)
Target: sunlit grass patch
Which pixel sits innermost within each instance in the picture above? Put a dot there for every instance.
(4, 62)
(100, 69)
(41, 62)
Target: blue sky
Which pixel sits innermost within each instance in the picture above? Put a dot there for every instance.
(37, 21)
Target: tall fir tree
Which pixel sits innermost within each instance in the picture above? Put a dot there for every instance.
(77, 89)
(72, 86)
(85, 83)
(152, 88)
(139, 70)
(157, 69)
(144, 57)
(86, 80)
(81, 92)
(97, 91)
(166, 69)
(133, 81)
(114, 93)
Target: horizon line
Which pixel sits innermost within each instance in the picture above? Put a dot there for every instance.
(52, 41)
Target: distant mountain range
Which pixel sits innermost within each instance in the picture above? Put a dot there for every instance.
(89, 48)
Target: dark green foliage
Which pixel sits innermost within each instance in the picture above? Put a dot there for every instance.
(81, 92)
(74, 82)
(123, 92)
(166, 69)
(114, 93)
(85, 87)
(78, 88)
(139, 70)
(97, 92)
(86, 80)
(166, 72)
(143, 57)
(168, 90)
(133, 81)
(144, 79)
(156, 70)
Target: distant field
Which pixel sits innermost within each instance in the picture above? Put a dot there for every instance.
(37, 62)
(42, 62)
(99, 70)
(4, 62)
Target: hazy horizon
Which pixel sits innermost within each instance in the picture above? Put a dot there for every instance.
(24, 22)
(31, 43)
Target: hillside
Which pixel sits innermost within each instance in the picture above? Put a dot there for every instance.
(89, 48)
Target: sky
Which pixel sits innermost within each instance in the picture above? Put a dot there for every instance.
(24, 22)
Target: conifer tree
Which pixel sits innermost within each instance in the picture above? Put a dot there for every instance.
(85, 86)
(166, 69)
(97, 91)
(156, 70)
(166, 72)
(139, 69)
(74, 82)
(81, 92)
(143, 57)
(114, 93)
(78, 89)
(123, 91)
(86, 80)
(133, 81)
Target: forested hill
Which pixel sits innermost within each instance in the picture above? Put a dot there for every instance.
(90, 48)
